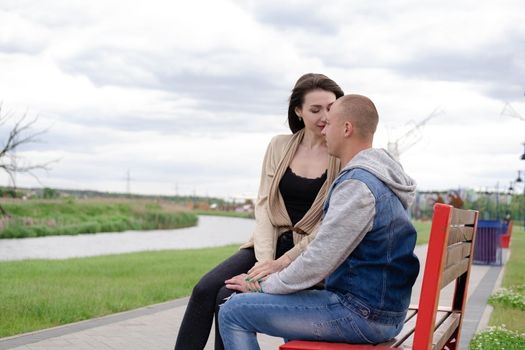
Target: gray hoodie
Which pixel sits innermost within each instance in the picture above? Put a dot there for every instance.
(349, 217)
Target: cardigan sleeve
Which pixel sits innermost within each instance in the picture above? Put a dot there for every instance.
(264, 233)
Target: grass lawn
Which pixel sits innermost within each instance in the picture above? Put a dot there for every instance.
(37, 294)
(235, 214)
(507, 321)
(514, 278)
(423, 231)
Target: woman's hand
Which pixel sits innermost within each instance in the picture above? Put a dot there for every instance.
(241, 284)
(262, 269)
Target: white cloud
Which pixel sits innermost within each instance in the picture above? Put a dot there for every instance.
(189, 94)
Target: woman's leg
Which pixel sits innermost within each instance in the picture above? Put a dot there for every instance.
(196, 324)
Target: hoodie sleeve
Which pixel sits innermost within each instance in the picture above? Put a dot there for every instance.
(350, 216)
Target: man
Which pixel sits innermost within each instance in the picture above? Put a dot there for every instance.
(363, 250)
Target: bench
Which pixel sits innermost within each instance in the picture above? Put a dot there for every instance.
(449, 258)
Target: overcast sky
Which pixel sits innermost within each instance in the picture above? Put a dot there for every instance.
(187, 94)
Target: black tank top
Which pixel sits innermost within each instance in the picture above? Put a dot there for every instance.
(299, 193)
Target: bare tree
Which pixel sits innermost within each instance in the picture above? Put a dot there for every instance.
(19, 134)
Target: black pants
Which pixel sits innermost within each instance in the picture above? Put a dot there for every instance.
(210, 292)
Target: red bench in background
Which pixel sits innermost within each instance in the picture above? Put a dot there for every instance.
(505, 238)
(449, 258)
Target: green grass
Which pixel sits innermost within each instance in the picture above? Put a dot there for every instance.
(37, 294)
(508, 317)
(423, 231)
(70, 217)
(508, 311)
(235, 214)
(498, 338)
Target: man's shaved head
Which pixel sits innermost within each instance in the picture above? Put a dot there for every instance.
(361, 112)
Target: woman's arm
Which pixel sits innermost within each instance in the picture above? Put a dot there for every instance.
(262, 269)
(263, 237)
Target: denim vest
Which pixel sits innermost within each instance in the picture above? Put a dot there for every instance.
(376, 279)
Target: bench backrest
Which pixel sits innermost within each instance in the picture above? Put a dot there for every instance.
(449, 258)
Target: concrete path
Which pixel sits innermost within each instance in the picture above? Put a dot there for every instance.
(156, 326)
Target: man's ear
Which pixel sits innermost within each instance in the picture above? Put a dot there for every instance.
(348, 128)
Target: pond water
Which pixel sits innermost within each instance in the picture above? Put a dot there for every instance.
(211, 231)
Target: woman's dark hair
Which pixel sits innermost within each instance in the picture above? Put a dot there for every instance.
(305, 84)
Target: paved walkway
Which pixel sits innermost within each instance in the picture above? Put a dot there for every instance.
(156, 326)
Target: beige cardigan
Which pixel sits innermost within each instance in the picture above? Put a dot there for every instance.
(271, 217)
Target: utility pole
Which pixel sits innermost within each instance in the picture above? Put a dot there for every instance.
(128, 183)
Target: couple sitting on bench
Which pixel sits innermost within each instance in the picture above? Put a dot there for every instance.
(364, 252)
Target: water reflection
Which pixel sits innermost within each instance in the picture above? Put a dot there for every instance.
(210, 232)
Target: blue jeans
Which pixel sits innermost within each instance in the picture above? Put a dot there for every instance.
(307, 315)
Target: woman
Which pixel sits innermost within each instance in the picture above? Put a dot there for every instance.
(296, 174)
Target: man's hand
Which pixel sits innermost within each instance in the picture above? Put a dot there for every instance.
(242, 284)
(262, 269)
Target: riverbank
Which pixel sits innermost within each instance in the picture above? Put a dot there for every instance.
(211, 231)
(37, 218)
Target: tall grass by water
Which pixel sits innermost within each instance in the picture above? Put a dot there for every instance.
(71, 217)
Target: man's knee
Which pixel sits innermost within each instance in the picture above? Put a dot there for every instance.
(233, 307)
(225, 312)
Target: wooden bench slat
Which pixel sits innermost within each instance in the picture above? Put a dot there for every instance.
(460, 234)
(440, 317)
(445, 330)
(454, 271)
(463, 217)
(412, 311)
(408, 329)
(456, 253)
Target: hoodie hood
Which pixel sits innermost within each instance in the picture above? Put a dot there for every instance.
(381, 163)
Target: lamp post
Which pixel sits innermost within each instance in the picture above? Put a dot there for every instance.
(519, 180)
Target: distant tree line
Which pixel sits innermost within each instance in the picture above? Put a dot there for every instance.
(491, 205)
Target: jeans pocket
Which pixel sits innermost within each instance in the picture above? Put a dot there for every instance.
(376, 332)
(328, 331)
(341, 330)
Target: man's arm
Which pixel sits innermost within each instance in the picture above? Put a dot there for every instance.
(349, 217)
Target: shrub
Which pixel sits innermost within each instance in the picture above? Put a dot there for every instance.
(513, 298)
(498, 338)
